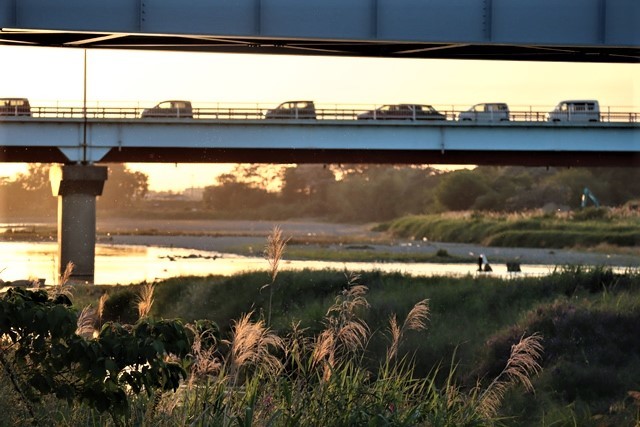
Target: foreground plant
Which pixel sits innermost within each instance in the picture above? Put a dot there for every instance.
(42, 354)
(523, 363)
(273, 253)
(254, 377)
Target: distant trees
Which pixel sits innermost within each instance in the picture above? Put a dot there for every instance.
(360, 193)
(382, 192)
(123, 188)
(309, 187)
(233, 195)
(345, 193)
(30, 193)
(459, 191)
(519, 188)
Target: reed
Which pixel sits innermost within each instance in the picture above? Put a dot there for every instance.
(416, 320)
(145, 300)
(274, 251)
(86, 322)
(250, 345)
(523, 363)
(100, 310)
(204, 355)
(63, 288)
(345, 332)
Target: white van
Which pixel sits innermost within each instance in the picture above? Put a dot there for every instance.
(576, 111)
(487, 112)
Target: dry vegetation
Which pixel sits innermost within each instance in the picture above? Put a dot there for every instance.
(256, 377)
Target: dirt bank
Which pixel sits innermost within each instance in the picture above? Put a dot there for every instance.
(232, 236)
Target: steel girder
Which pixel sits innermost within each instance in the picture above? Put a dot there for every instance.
(540, 30)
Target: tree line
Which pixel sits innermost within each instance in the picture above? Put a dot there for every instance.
(384, 192)
(360, 193)
(30, 193)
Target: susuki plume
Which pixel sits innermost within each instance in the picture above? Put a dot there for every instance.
(344, 331)
(86, 321)
(205, 359)
(145, 300)
(101, 304)
(274, 251)
(522, 364)
(416, 321)
(250, 344)
(62, 288)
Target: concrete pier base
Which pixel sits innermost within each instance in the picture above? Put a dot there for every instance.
(77, 187)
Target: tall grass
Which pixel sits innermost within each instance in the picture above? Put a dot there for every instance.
(273, 253)
(533, 229)
(145, 300)
(317, 376)
(416, 321)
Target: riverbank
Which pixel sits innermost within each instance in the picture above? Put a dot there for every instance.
(254, 245)
(323, 241)
(320, 240)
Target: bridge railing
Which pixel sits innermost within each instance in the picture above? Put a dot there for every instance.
(608, 115)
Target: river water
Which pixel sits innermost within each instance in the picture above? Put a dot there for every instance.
(126, 264)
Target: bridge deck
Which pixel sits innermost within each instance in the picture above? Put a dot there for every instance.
(62, 140)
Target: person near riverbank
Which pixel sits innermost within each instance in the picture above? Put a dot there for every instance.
(483, 263)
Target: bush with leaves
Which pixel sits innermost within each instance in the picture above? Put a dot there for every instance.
(41, 354)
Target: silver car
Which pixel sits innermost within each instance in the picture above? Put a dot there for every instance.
(169, 109)
(403, 112)
(486, 112)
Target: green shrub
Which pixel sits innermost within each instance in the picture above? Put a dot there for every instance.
(589, 227)
(42, 355)
(121, 306)
(590, 214)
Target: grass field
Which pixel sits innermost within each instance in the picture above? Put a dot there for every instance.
(587, 320)
(587, 228)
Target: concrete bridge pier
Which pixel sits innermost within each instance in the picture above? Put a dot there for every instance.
(76, 187)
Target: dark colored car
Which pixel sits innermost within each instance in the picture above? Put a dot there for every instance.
(169, 109)
(15, 107)
(403, 112)
(293, 110)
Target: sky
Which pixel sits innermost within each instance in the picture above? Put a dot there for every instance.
(143, 78)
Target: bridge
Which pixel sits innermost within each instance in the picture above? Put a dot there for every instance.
(541, 30)
(233, 134)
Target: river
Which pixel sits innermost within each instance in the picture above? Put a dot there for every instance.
(126, 264)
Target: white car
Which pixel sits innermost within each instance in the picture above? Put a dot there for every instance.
(486, 112)
(576, 111)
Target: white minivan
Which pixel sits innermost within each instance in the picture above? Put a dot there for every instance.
(576, 111)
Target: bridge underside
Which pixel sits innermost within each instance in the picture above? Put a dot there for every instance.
(541, 30)
(334, 156)
(282, 46)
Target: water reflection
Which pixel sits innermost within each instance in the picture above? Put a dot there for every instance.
(124, 264)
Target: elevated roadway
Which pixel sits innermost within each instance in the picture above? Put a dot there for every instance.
(228, 135)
